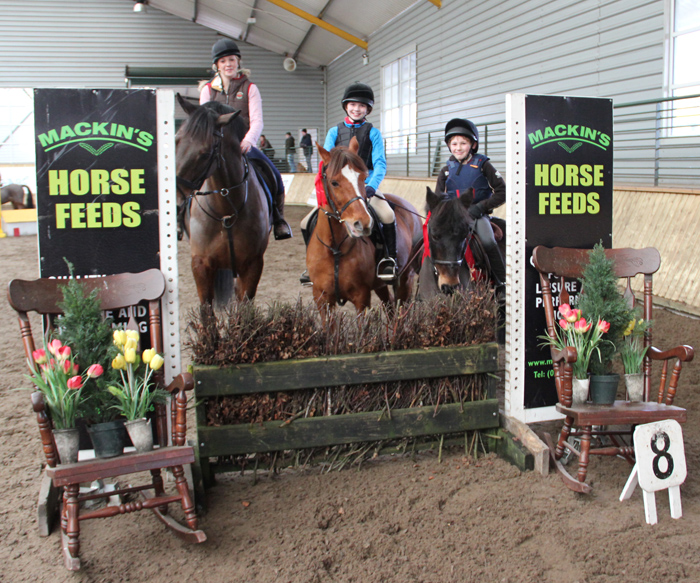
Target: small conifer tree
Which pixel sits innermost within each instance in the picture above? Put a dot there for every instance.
(83, 327)
(601, 299)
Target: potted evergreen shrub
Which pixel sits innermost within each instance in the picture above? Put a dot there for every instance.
(83, 327)
(601, 299)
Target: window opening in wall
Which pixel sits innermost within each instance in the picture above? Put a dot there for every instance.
(684, 74)
(399, 105)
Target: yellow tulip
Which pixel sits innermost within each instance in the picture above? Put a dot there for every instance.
(119, 363)
(148, 354)
(131, 343)
(130, 355)
(133, 334)
(119, 337)
(156, 362)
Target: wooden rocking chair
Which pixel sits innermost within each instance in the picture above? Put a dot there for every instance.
(591, 422)
(115, 291)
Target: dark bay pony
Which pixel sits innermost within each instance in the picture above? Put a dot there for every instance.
(445, 269)
(18, 194)
(227, 215)
(340, 257)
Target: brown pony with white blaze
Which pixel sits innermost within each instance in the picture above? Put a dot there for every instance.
(340, 257)
(228, 219)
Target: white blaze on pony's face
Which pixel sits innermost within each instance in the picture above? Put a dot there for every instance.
(357, 227)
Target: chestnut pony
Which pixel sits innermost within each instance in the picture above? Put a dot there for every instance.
(340, 257)
(227, 216)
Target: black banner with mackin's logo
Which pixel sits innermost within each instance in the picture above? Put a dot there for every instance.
(97, 180)
(569, 203)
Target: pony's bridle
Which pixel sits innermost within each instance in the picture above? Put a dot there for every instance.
(454, 263)
(215, 161)
(336, 214)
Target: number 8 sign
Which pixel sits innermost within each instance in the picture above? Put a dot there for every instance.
(660, 465)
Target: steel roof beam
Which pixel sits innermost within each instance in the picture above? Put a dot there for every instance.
(320, 23)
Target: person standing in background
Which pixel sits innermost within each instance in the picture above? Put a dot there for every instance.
(290, 150)
(307, 148)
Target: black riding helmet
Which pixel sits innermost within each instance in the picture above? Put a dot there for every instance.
(462, 127)
(224, 47)
(360, 93)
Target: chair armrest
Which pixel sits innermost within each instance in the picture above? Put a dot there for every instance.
(683, 353)
(568, 355)
(182, 382)
(178, 406)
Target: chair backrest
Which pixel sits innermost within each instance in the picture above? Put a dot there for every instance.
(563, 264)
(123, 290)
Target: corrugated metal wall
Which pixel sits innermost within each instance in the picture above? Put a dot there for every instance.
(471, 53)
(88, 43)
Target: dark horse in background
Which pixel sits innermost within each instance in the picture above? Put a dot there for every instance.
(19, 195)
(227, 215)
(341, 257)
(449, 231)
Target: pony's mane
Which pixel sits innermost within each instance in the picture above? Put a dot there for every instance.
(202, 123)
(342, 156)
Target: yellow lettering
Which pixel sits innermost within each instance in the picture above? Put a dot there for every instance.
(120, 186)
(544, 202)
(598, 175)
(58, 182)
(541, 174)
(132, 218)
(566, 203)
(94, 213)
(100, 181)
(137, 181)
(77, 215)
(571, 175)
(556, 175)
(111, 214)
(62, 214)
(79, 182)
(593, 205)
(586, 178)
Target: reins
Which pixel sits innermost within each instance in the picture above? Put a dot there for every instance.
(215, 162)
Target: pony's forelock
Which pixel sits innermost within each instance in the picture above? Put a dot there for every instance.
(342, 156)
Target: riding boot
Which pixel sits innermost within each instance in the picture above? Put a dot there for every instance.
(281, 228)
(386, 268)
(305, 279)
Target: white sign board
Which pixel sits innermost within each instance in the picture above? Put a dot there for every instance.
(661, 465)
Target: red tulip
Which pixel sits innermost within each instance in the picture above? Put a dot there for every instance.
(581, 326)
(564, 309)
(75, 382)
(95, 371)
(603, 326)
(54, 345)
(39, 356)
(63, 352)
(564, 324)
(67, 366)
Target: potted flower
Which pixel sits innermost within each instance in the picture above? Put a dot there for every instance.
(136, 394)
(574, 330)
(632, 352)
(56, 375)
(601, 298)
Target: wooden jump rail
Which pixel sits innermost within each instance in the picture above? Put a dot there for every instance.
(334, 371)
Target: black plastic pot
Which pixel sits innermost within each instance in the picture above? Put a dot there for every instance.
(109, 438)
(603, 388)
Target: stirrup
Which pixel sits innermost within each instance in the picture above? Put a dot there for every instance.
(386, 269)
(305, 279)
(282, 230)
